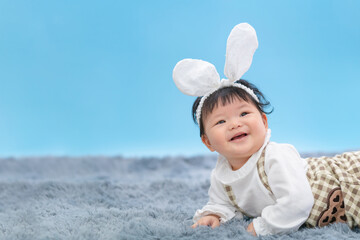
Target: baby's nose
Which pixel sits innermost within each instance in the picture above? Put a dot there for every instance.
(235, 124)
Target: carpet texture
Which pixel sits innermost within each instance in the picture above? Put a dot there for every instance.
(117, 198)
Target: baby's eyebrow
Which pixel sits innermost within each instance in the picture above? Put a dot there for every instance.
(218, 115)
(221, 114)
(214, 119)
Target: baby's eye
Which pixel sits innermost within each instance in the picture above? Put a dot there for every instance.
(220, 122)
(243, 114)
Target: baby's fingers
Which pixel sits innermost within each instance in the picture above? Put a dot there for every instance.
(215, 224)
(194, 225)
(201, 222)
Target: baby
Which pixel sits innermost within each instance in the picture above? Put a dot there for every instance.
(255, 177)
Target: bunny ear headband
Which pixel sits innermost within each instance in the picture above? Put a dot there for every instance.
(199, 78)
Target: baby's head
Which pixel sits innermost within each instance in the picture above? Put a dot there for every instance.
(226, 95)
(233, 121)
(231, 114)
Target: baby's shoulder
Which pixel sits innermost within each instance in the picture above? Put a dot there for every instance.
(274, 147)
(281, 151)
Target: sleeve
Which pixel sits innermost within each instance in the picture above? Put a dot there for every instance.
(218, 203)
(286, 172)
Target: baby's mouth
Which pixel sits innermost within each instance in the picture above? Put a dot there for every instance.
(238, 136)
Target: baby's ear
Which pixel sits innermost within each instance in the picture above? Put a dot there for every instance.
(207, 143)
(265, 120)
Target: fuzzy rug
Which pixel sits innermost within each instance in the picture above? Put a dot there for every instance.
(117, 198)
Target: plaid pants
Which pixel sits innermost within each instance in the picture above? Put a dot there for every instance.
(335, 184)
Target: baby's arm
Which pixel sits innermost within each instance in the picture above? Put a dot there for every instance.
(218, 206)
(294, 200)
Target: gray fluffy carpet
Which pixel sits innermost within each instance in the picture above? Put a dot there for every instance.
(117, 198)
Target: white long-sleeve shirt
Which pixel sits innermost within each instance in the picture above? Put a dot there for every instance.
(284, 210)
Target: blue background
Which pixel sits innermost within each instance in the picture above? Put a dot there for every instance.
(95, 77)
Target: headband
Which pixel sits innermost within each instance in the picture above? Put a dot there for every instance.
(199, 78)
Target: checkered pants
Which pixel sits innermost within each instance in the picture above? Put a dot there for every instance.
(339, 177)
(335, 184)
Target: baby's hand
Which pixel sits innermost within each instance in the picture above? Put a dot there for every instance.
(209, 220)
(251, 229)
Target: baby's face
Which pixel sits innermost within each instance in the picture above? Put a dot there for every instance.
(236, 130)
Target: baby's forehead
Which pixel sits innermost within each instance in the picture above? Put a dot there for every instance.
(232, 100)
(223, 107)
(234, 103)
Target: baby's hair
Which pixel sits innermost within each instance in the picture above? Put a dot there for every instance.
(227, 95)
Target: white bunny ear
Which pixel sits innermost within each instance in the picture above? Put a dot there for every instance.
(241, 45)
(195, 77)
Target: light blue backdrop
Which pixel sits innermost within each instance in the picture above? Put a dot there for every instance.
(95, 77)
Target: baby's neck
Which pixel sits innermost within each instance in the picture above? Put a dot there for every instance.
(236, 164)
